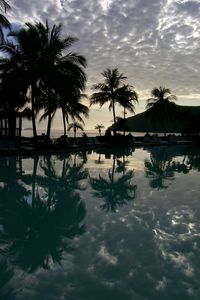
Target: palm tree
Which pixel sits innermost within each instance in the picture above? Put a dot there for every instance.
(4, 23)
(127, 97)
(99, 127)
(72, 107)
(75, 126)
(27, 55)
(64, 78)
(39, 53)
(12, 92)
(160, 107)
(108, 90)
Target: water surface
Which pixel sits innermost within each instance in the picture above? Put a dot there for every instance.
(102, 225)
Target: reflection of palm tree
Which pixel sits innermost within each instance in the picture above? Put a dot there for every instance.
(181, 167)
(115, 191)
(121, 165)
(194, 161)
(40, 236)
(159, 167)
(35, 235)
(99, 161)
(160, 107)
(158, 171)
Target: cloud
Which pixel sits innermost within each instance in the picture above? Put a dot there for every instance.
(152, 42)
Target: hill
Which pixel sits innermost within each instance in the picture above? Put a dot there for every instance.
(187, 117)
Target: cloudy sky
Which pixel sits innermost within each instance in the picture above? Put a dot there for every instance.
(153, 43)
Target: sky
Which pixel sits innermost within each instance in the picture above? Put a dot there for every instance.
(153, 42)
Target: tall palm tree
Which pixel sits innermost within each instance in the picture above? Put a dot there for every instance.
(99, 127)
(75, 126)
(27, 55)
(13, 96)
(39, 53)
(127, 97)
(108, 90)
(160, 107)
(64, 76)
(72, 107)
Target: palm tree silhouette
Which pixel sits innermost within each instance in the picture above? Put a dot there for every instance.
(194, 160)
(108, 90)
(39, 56)
(127, 97)
(75, 126)
(13, 97)
(99, 127)
(160, 107)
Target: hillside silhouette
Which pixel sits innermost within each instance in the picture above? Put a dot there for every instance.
(186, 121)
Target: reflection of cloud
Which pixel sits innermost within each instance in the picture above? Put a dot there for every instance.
(153, 244)
(178, 232)
(103, 252)
(182, 262)
(162, 284)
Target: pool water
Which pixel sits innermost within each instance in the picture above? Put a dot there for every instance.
(106, 224)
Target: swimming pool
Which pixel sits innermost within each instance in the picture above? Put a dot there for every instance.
(109, 224)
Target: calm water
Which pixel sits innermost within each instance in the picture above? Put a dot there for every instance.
(121, 225)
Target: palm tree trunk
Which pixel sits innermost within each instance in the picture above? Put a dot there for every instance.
(33, 111)
(124, 119)
(49, 126)
(49, 186)
(113, 169)
(64, 122)
(49, 115)
(114, 117)
(12, 126)
(63, 168)
(112, 174)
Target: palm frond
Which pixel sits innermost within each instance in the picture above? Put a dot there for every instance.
(99, 98)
